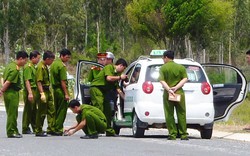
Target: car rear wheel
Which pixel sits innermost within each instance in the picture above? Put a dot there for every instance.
(137, 131)
(206, 133)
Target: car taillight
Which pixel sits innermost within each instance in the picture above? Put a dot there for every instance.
(205, 88)
(147, 87)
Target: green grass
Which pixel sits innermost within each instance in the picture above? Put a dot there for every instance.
(241, 114)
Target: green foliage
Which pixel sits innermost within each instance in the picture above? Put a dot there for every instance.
(216, 78)
(91, 26)
(240, 115)
(76, 56)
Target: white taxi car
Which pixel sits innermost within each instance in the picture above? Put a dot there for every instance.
(211, 93)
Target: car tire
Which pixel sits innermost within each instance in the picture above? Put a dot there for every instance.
(206, 133)
(136, 130)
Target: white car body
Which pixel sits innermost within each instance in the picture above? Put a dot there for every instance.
(197, 104)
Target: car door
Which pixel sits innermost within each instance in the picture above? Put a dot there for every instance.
(127, 87)
(82, 81)
(229, 88)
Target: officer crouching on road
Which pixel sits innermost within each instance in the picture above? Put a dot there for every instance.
(89, 118)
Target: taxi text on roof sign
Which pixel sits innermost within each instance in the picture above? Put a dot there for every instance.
(157, 52)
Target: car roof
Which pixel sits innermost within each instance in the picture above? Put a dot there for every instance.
(150, 61)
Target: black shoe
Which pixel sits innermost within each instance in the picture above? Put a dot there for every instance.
(184, 138)
(15, 136)
(41, 134)
(56, 133)
(27, 132)
(94, 136)
(112, 135)
(49, 132)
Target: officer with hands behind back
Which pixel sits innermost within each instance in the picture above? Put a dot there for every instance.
(10, 92)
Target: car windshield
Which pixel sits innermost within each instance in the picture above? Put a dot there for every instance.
(194, 73)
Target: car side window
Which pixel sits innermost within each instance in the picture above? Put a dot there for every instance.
(152, 73)
(194, 73)
(136, 73)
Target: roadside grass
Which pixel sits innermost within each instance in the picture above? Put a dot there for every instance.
(239, 119)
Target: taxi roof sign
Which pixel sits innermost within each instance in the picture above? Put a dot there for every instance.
(157, 52)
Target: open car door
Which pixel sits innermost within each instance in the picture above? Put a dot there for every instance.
(83, 80)
(229, 88)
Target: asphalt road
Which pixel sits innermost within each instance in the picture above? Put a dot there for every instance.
(154, 143)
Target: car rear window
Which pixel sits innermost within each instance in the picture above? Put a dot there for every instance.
(194, 73)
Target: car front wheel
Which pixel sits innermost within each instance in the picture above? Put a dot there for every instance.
(137, 131)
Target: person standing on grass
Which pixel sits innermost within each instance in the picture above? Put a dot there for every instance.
(10, 92)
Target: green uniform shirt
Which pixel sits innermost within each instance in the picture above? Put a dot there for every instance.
(172, 73)
(95, 70)
(58, 73)
(86, 110)
(100, 80)
(42, 74)
(11, 73)
(29, 73)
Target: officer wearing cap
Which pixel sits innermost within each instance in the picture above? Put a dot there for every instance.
(101, 58)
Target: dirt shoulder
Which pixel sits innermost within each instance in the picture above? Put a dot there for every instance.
(231, 128)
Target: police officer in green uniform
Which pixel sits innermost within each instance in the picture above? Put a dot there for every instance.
(10, 92)
(95, 70)
(89, 118)
(30, 93)
(45, 102)
(101, 58)
(104, 86)
(58, 74)
(172, 77)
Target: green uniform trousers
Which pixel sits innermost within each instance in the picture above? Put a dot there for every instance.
(181, 116)
(11, 102)
(45, 109)
(94, 124)
(29, 110)
(61, 106)
(97, 97)
(99, 101)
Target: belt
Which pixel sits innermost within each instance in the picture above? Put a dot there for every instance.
(46, 88)
(15, 88)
